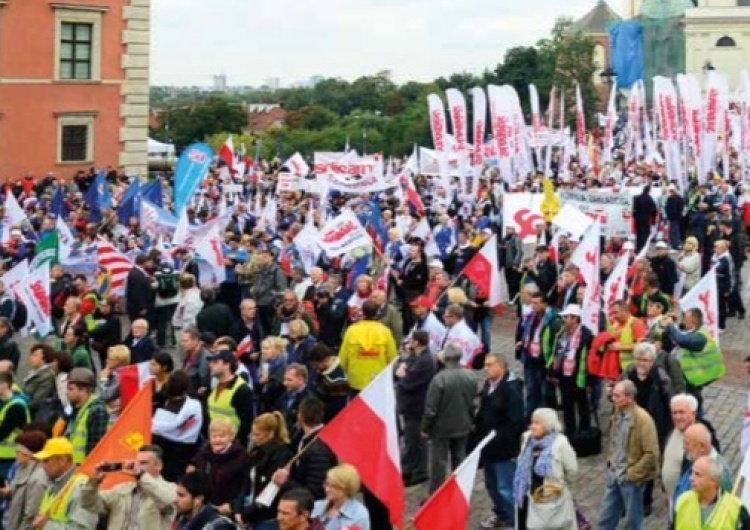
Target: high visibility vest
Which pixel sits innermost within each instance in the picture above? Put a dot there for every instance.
(220, 404)
(724, 516)
(8, 445)
(704, 367)
(56, 506)
(78, 434)
(626, 339)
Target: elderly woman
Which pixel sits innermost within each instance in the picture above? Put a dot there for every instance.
(109, 380)
(362, 291)
(546, 458)
(300, 342)
(340, 509)
(689, 264)
(270, 452)
(29, 484)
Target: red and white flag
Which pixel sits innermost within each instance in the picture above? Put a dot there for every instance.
(226, 153)
(297, 165)
(448, 508)
(132, 378)
(479, 106)
(484, 272)
(536, 119)
(209, 248)
(704, 296)
(501, 115)
(457, 109)
(439, 130)
(587, 257)
(371, 418)
(116, 263)
(343, 234)
(614, 287)
(581, 129)
(609, 124)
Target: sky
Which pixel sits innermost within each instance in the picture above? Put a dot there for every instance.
(251, 41)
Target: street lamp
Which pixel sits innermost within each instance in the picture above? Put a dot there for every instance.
(608, 76)
(708, 67)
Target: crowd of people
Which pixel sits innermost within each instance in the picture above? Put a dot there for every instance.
(246, 373)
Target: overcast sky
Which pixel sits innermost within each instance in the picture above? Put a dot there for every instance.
(254, 40)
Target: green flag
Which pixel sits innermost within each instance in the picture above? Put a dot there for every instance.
(46, 250)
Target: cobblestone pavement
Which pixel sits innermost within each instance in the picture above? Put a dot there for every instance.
(725, 401)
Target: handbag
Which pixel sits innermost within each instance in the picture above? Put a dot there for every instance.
(588, 442)
(550, 508)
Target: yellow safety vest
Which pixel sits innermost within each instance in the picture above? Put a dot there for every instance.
(220, 405)
(78, 434)
(55, 506)
(626, 339)
(8, 445)
(705, 367)
(724, 516)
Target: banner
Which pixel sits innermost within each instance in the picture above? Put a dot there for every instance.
(209, 248)
(665, 98)
(712, 112)
(479, 105)
(613, 210)
(350, 173)
(502, 129)
(439, 130)
(343, 234)
(583, 158)
(287, 182)
(523, 211)
(573, 221)
(704, 297)
(34, 293)
(191, 169)
(297, 165)
(587, 257)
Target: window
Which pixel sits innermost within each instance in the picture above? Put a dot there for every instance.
(743, 3)
(75, 138)
(75, 50)
(726, 42)
(78, 36)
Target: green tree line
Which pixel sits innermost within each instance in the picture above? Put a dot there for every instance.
(373, 113)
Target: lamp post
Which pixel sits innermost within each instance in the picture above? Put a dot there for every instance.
(708, 67)
(608, 77)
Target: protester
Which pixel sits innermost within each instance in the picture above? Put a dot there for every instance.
(330, 385)
(108, 386)
(231, 398)
(194, 511)
(341, 509)
(88, 419)
(29, 484)
(139, 343)
(39, 384)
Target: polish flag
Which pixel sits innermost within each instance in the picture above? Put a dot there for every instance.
(371, 418)
(226, 153)
(484, 271)
(412, 196)
(704, 296)
(132, 378)
(448, 508)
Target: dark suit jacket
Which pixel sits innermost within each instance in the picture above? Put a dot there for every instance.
(139, 293)
(143, 351)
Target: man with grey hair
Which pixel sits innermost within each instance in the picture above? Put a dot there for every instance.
(448, 412)
(632, 460)
(706, 505)
(500, 409)
(459, 334)
(697, 443)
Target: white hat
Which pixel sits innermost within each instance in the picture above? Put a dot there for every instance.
(661, 244)
(572, 310)
(628, 245)
(436, 263)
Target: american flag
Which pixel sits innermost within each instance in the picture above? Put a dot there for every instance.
(116, 263)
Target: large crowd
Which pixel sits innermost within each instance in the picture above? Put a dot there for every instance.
(247, 372)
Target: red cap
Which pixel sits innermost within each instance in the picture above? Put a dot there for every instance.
(421, 301)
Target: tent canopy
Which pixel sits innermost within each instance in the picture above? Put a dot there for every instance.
(158, 148)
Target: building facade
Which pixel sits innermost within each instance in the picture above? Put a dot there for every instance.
(74, 81)
(717, 35)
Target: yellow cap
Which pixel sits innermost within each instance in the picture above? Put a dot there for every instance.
(55, 447)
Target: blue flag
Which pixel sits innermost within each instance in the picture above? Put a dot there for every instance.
(376, 227)
(153, 192)
(191, 169)
(57, 208)
(360, 267)
(93, 198)
(627, 53)
(129, 203)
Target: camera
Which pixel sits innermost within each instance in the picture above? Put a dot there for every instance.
(108, 467)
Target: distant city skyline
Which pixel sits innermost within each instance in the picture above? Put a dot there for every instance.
(248, 42)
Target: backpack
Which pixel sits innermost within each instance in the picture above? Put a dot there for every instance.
(167, 286)
(20, 315)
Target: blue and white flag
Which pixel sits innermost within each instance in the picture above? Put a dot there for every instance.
(191, 169)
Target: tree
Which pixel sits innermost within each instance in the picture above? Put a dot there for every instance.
(186, 124)
(314, 117)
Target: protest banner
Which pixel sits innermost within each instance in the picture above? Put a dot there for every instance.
(523, 211)
(614, 211)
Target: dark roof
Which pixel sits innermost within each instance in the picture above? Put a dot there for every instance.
(596, 21)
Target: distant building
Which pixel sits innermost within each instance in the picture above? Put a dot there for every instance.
(262, 117)
(272, 83)
(220, 83)
(76, 94)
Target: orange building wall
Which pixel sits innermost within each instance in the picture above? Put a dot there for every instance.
(29, 106)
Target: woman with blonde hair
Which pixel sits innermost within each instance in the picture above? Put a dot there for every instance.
(689, 264)
(109, 379)
(340, 509)
(189, 303)
(270, 451)
(456, 295)
(273, 362)
(300, 342)
(546, 459)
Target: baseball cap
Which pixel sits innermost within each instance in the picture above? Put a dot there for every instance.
(571, 310)
(221, 355)
(436, 263)
(421, 301)
(55, 447)
(661, 245)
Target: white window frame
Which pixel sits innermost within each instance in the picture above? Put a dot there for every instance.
(81, 118)
(65, 13)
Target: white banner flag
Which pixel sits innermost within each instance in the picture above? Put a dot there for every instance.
(523, 211)
(297, 165)
(209, 248)
(613, 210)
(34, 293)
(704, 297)
(343, 234)
(587, 257)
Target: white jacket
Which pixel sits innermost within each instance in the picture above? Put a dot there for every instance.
(188, 307)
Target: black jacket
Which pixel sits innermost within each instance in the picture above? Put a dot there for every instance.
(142, 351)
(264, 461)
(674, 207)
(666, 270)
(414, 278)
(216, 318)
(411, 390)
(106, 334)
(501, 410)
(206, 519)
(331, 320)
(310, 470)
(9, 351)
(546, 276)
(644, 209)
(140, 294)
(289, 405)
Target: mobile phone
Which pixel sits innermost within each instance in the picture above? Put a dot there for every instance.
(111, 466)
